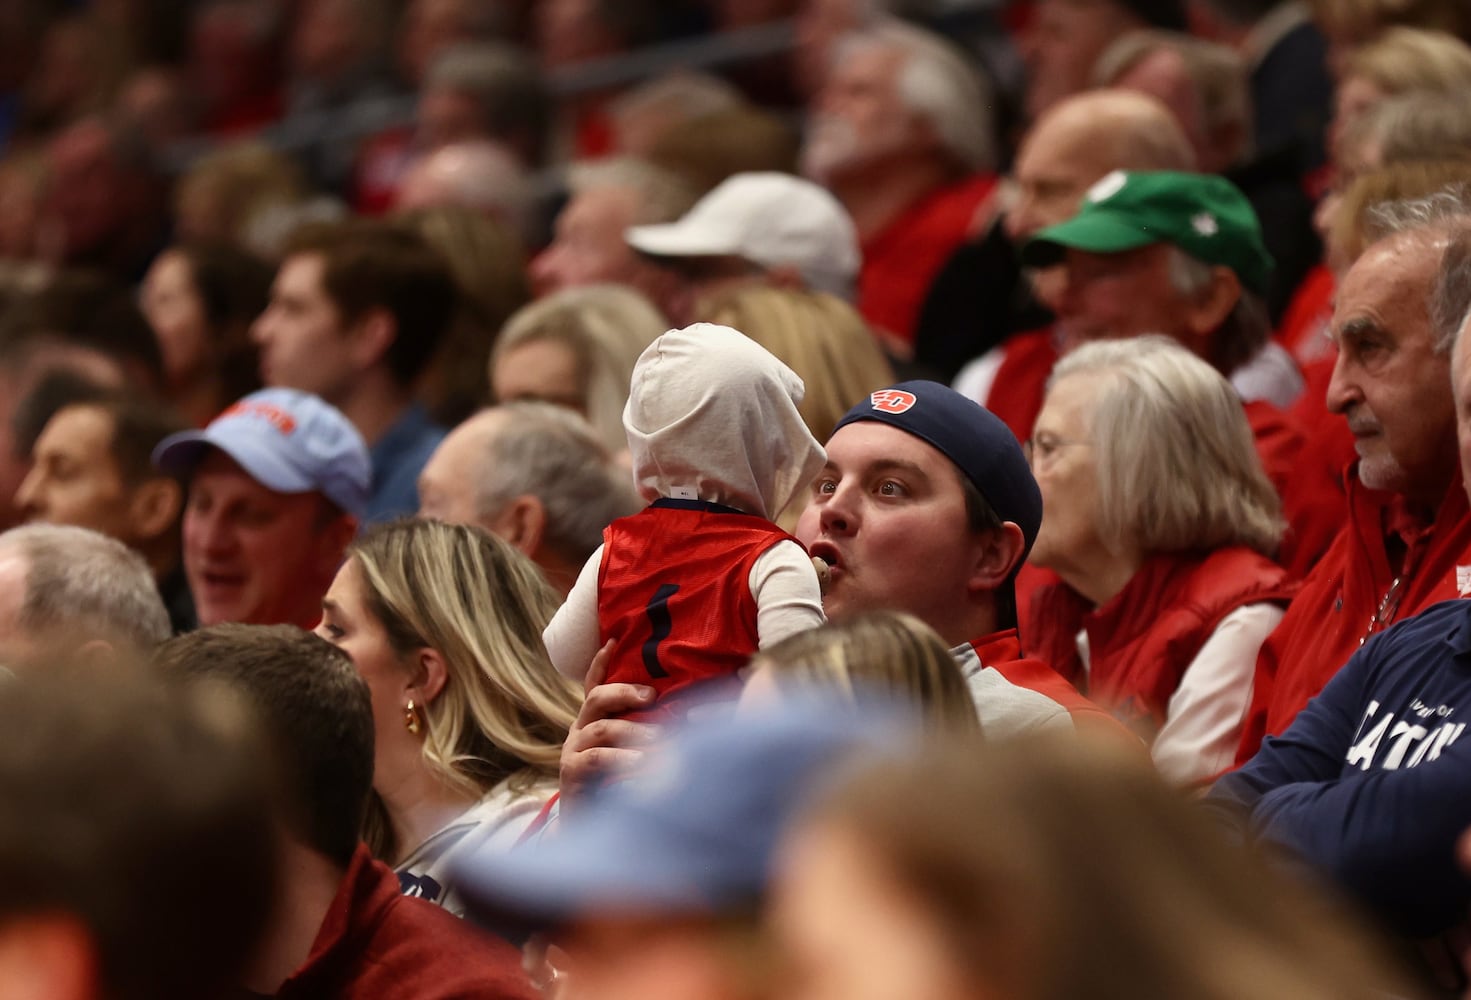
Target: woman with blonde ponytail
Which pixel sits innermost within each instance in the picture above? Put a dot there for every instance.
(444, 623)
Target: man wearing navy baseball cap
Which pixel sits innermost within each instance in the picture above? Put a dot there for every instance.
(277, 485)
(927, 505)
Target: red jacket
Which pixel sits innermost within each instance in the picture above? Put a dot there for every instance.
(1351, 594)
(377, 944)
(901, 260)
(1310, 483)
(1141, 641)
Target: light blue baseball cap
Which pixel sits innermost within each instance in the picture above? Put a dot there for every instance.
(693, 833)
(286, 440)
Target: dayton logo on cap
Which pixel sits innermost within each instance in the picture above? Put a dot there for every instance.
(892, 400)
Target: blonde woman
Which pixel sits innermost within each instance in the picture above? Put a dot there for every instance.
(818, 336)
(444, 623)
(576, 348)
(879, 654)
(1400, 61)
(1161, 524)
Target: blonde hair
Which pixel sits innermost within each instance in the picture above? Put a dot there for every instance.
(1355, 226)
(1421, 126)
(504, 711)
(1402, 60)
(883, 652)
(1177, 467)
(606, 327)
(1363, 19)
(820, 337)
(1009, 848)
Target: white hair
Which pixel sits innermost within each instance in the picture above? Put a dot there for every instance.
(1446, 213)
(1177, 467)
(83, 585)
(553, 454)
(938, 85)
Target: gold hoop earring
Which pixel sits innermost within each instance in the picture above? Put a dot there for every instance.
(411, 718)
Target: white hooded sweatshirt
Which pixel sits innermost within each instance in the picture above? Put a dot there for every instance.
(712, 416)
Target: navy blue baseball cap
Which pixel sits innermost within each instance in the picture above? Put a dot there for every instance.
(975, 439)
(696, 831)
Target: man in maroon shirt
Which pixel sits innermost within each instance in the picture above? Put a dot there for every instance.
(341, 928)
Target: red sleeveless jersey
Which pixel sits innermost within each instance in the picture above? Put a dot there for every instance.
(674, 593)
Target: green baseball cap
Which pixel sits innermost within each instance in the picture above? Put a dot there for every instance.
(1204, 215)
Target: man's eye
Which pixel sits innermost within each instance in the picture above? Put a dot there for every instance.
(824, 487)
(890, 488)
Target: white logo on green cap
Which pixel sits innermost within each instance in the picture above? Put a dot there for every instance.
(1205, 224)
(1110, 185)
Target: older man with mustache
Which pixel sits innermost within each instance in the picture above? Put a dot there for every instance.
(1403, 546)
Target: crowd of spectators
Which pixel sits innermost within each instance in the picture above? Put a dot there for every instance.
(735, 499)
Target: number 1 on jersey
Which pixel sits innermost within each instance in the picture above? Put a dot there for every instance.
(659, 621)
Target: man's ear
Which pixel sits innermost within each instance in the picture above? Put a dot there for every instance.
(372, 335)
(154, 507)
(998, 553)
(1211, 306)
(522, 522)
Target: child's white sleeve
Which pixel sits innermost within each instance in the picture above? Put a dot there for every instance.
(788, 598)
(571, 636)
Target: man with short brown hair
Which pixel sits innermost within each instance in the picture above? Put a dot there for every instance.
(357, 311)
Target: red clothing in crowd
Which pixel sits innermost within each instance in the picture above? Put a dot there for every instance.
(377, 944)
(1304, 327)
(1001, 652)
(901, 261)
(674, 593)
(1020, 384)
(1355, 591)
(381, 165)
(1308, 481)
(1141, 642)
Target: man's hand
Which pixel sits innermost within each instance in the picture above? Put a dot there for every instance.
(600, 745)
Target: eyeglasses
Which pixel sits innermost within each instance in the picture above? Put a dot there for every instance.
(1041, 449)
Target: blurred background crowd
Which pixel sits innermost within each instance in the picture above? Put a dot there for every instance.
(1134, 334)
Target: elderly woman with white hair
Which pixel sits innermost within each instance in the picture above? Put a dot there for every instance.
(1161, 524)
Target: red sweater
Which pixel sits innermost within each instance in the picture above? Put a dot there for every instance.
(1141, 641)
(1352, 593)
(377, 943)
(901, 260)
